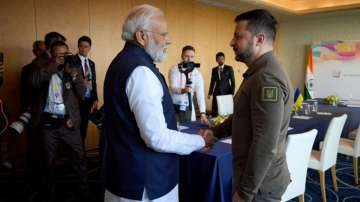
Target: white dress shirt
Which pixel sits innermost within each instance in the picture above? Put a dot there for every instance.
(83, 60)
(145, 92)
(178, 82)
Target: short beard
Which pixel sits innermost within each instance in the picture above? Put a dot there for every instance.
(246, 54)
(157, 53)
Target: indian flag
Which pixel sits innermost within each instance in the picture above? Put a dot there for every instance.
(309, 83)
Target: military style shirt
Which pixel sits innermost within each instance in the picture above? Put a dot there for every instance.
(262, 109)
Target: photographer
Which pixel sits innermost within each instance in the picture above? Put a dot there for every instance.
(59, 87)
(183, 84)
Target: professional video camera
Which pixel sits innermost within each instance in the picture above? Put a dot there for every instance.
(97, 117)
(187, 67)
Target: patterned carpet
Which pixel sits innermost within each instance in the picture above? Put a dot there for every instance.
(348, 192)
(13, 188)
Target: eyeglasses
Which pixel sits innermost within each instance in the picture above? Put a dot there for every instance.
(165, 34)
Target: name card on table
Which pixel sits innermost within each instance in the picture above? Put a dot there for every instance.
(302, 117)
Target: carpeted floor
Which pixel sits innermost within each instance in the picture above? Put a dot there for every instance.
(348, 192)
(14, 189)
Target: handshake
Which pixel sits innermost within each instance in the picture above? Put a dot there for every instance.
(209, 138)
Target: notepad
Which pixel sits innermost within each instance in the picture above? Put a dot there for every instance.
(302, 117)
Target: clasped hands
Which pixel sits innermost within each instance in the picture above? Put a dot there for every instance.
(209, 138)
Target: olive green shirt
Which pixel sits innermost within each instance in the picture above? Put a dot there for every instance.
(259, 125)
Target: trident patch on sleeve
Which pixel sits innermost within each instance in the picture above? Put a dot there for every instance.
(269, 94)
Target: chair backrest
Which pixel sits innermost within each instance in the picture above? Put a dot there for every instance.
(331, 142)
(357, 143)
(225, 104)
(298, 151)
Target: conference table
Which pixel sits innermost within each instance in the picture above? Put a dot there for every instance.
(207, 176)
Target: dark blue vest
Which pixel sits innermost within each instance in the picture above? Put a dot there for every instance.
(129, 165)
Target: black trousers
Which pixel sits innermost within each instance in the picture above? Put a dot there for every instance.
(214, 108)
(34, 157)
(71, 139)
(85, 108)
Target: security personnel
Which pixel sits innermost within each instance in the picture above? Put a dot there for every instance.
(262, 108)
(222, 81)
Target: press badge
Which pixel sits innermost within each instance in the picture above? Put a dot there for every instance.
(182, 108)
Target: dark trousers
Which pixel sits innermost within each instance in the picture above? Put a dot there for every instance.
(34, 157)
(214, 108)
(53, 138)
(85, 108)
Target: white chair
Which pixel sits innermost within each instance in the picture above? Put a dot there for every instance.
(352, 148)
(326, 158)
(225, 104)
(298, 150)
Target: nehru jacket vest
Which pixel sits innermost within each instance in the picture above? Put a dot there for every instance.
(129, 165)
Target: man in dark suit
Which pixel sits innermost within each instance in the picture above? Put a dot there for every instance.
(222, 81)
(56, 113)
(88, 73)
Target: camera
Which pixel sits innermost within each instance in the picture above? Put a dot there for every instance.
(72, 60)
(187, 67)
(20, 124)
(97, 117)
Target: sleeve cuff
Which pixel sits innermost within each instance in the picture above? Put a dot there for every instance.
(246, 196)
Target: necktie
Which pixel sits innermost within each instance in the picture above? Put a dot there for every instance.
(87, 70)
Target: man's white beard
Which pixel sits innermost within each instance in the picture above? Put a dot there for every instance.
(157, 53)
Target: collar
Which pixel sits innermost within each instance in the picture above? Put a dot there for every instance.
(134, 46)
(222, 66)
(257, 64)
(82, 58)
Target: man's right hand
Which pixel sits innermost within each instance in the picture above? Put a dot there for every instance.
(208, 136)
(186, 90)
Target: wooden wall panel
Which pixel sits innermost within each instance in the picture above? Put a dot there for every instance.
(205, 41)
(207, 28)
(69, 17)
(180, 26)
(225, 31)
(106, 19)
(158, 3)
(17, 33)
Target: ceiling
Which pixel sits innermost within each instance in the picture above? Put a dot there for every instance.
(287, 9)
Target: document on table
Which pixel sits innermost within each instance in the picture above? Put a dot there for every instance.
(228, 140)
(302, 117)
(324, 113)
(180, 128)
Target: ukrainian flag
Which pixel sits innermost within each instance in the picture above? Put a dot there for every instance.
(298, 98)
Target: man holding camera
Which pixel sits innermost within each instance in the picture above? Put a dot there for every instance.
(88, 73)
(183, 83)
(59, 85)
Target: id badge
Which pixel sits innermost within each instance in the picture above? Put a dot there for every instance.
(182, 108)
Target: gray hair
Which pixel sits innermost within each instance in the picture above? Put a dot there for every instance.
(139, 19)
